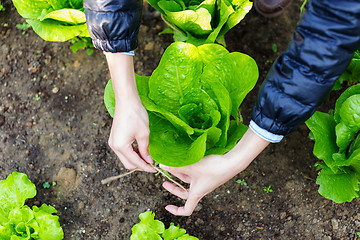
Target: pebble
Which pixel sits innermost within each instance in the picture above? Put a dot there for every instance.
(55, 90)
(335, 223)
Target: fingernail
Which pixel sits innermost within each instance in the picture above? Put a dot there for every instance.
(166, 168)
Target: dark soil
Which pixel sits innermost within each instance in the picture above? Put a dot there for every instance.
(54, 127)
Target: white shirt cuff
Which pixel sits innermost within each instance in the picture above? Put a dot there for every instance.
(264, 134)
(131, 53)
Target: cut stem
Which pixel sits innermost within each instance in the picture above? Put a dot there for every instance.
(113, 178)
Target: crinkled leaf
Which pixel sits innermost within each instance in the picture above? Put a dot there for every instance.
(350, 111)
(173, 148)
(49, 226)
(223, 13)
(354, 160)
(173, 232)
(187, 237)
(69, 16)
(340, 187)
(178, 72)
(237, 72)
(196, 22)
(14, 190)
(344, 135)
(147, 228)
(322, 126)
(235, 133)
(241, 7)
(31, 9)
(59, 4)
(51, 30)
(210, 52)
(345, 95)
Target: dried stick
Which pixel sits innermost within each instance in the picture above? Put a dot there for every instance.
(113, 178)
(110, 179)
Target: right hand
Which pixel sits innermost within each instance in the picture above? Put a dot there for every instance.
(130, 123)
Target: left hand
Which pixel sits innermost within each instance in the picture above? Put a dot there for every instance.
(211, 172)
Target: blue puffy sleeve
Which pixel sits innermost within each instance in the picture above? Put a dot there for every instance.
(113, 24)
(322, 46)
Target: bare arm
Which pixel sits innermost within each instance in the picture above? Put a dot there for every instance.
(130, 121)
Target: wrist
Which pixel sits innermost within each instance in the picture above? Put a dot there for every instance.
(246, 150)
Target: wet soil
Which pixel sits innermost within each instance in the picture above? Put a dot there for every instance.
(54, 127)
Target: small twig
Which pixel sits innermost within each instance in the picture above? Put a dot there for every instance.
(172, 180)
(110, 179)
(113, 178)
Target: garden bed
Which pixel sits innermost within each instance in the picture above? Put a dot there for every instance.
(54, 127)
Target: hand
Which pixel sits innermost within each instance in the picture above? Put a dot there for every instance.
(131, 121)
(211, 172)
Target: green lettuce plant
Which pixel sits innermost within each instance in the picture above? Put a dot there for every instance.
(55, 20)
(337, 144)
(201, 21)
(20, 222)
(150, 229)
(352, 73)
(193, 100)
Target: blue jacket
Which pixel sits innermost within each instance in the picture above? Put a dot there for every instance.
(113, 24)
(323, 44)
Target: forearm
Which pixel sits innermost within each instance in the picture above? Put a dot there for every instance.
(247, 149)
(121, 68)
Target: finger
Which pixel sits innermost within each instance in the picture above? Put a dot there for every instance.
(183, 177)
(133, 158)
(186, 210)
(143, 144)
(177, 191)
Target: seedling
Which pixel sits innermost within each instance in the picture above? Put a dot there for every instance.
(274, 48)
(24, 27)
(37, 97)
(46, 185)
(267, 189)
(2, 7)
(242, 182)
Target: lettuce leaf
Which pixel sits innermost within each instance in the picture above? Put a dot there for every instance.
(337, 144)
(150, 229)
(54, 20)
(18, 221)
(200, 22)
(193, 98)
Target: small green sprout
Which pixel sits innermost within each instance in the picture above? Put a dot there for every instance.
(274, 48)
(268, 189)
(242, 182)
(46, 185)
(37, 97)
(2, 7)
(94, 124)
(54, 184)
(24, 27)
